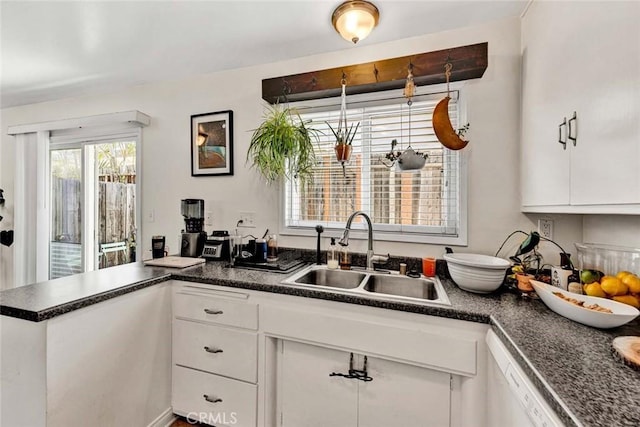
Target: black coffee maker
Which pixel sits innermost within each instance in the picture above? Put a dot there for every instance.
(193, 236)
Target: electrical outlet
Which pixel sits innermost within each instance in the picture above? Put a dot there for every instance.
(545, 228)
(208, 218)
(248, 219)
(151, 215)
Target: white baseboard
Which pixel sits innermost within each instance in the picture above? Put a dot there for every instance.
(164, 420)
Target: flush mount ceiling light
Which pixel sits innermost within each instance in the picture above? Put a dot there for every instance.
(354, 19)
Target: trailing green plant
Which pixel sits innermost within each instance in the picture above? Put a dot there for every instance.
(282, 146)
(394, 156)
(463, 130)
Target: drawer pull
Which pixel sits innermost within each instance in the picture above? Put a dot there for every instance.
(209, 311)
(212, 350)
(212, 399)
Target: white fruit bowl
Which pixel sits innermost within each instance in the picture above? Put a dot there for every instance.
(477, 273)
(622, 313)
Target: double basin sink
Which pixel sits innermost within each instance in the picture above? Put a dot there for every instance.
(392, 287)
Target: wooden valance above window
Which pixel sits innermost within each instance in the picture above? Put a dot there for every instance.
(469, 62)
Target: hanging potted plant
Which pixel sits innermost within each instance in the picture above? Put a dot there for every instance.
(344, 134)
(282, 146)
(344, 139)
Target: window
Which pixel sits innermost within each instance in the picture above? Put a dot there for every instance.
(427, 204)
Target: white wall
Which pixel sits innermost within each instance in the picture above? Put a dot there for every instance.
(493, 112)
(621, 230)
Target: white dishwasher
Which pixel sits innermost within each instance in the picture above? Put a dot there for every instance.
(512, 399)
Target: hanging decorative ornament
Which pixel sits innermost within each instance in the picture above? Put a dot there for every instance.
(344, 134)
(407, 160)
(409, 86)
(442, 123)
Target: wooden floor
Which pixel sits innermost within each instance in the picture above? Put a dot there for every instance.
(182, 422)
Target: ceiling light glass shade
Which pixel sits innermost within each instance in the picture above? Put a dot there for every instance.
(354, 19)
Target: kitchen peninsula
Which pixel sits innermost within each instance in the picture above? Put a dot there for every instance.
(85, 329)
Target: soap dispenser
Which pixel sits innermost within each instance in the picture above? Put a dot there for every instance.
(332, 255)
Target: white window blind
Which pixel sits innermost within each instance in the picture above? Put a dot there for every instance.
(423, 202)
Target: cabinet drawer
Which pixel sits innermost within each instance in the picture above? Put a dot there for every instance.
(227, 402)
(216, 310)
(229, 352)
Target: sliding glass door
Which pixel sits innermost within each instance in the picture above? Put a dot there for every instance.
(93, 205)
(65, 247)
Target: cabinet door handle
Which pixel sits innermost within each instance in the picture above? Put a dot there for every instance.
(572, 134)
(564, 143)
(212, 399)
(358, 374)
(209, 311)
(212, 350)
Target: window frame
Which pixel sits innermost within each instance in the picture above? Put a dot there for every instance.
(382, 232)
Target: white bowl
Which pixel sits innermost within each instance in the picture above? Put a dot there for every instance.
(477, 273)
(622, 313)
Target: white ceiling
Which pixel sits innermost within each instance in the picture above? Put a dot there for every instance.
(53, 50)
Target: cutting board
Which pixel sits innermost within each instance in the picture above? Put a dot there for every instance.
(174, 262)
(628, 349)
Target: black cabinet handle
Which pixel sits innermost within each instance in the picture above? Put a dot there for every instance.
(211, 399)
(357, 374)
(564, 143)
(212, 350)
(572, 134)
(209, 311)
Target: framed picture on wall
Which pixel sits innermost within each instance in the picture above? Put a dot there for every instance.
(212, 144)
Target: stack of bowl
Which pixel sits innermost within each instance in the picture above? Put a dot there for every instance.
(477, 273)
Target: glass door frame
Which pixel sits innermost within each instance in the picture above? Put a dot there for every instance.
(88, 200)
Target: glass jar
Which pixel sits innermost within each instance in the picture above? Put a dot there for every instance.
(607, 259)
(345, 259)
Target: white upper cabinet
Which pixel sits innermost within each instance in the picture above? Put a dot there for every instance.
(581, 57)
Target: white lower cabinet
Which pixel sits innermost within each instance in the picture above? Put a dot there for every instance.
(249, 358)
(404, 395)
(398, 394)
(307, 395)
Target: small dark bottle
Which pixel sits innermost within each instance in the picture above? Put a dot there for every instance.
(565, 261)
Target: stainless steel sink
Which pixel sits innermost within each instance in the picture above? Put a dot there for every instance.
(369, 284)
(401, 286)
(332, 278)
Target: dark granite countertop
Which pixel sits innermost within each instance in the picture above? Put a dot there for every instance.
(572, 365)
(44, 300)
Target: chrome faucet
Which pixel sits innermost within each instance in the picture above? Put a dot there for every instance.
(344, 241)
